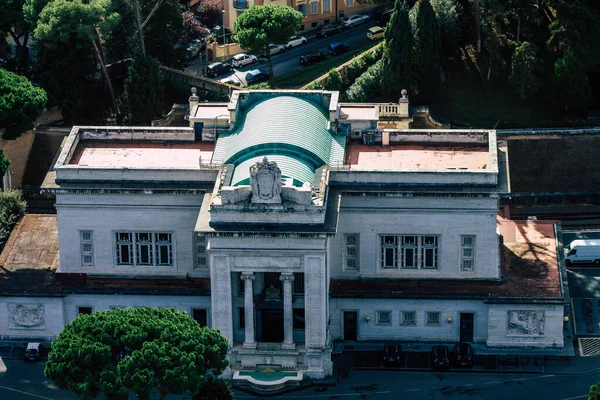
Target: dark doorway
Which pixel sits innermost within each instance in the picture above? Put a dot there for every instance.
(466, 327)
(272, 325)
(350, 325)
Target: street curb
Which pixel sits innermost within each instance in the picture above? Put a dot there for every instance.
(456, 371)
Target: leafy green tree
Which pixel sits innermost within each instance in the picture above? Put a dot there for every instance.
(260, 26)
(143, 90)
(447, 17)
(427, 51)
(367, 86)
(526, 70)
(209, 12)
(78, 24)
(162, 29)
(12, 208)
(575, 22)
(572, 91)
(193, 29)
(396, 59)
(21, 104)
(121, 42)
(315, 86)
(142, 350)
(334, 80)
(594, 393)
(4, 163)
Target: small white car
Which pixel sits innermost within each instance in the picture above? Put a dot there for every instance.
(295, 41)
(354, 20)
(276, 49)
(242, 59)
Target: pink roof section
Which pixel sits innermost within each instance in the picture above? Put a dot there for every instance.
(209, 111)
(366, 112)
(141, 154)
(418, 157)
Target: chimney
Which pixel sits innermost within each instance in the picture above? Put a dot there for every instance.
(403, 104)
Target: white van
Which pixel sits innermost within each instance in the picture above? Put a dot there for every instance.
(583, 251)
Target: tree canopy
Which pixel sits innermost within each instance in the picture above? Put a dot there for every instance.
(142, 350)
(526, 70)
(396, 59)
(260, 26)
(143, 90)
(427, 51)
(12, 208)
(21, 104)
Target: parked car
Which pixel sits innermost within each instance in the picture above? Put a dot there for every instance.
(329, 29)
(242, 59)
(391, 355)
(217, 69)
(384, 18)
(232, 81)
(463, 354)
(256, 76)
(354, 20)
(276, 49)
(375, 33)
(440, 357)
(295, 41)
(337, 48)
(312, 58)
(33, 352)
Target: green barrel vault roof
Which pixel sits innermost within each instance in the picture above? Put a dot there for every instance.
(293, 128)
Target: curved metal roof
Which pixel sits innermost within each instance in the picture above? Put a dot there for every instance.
(290, 130)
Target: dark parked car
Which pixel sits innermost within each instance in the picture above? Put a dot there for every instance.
(33, 351)
(218, 69)
(440, 357)
(391, 355)
(337, 48)
(463, 354)
(312, 58)
(256, 76)
(329, 29)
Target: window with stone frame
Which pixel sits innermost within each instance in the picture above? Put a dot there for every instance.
(351, 248)
(314, 7)
(349, 3)
(326, 7)
(144, 248)
(409, 251)
(383, 317)
(200, 244)
(86, 241)
(467, 253)
(433, 317)
(408, 318)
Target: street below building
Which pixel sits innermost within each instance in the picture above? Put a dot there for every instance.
(288, 61)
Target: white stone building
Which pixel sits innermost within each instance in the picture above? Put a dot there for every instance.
(289, 221)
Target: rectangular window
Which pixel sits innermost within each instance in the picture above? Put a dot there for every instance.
(314, 7)
(409, 318)
(199, 315)
(351, 243)
(303, 9)
(389, 249)
(150, 248)
(87, 247)
(298, 288)
(383, 317)
(201, 257)
(84, 310)
(241, 318)
(409, 252)
(349, 3)
(326, 7)
(467, 252)
(433, 318)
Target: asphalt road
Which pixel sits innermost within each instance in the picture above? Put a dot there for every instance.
(288, 60)
(25, 381)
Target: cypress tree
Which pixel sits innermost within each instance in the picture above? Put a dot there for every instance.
(397, 50)
(427, 52)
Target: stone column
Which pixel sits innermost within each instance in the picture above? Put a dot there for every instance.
(248, 278)
(288, 314)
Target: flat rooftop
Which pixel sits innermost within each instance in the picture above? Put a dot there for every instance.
(141, 154)
(418, 157)
(210, 111)
(362, 112)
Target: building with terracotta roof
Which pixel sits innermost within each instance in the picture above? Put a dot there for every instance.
(288, 221)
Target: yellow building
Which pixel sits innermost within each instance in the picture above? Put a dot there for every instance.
(316, 12)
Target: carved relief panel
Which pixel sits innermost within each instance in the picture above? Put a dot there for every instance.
(525, 323)
(26, 316)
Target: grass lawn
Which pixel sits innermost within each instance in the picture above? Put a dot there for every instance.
(301, 77)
